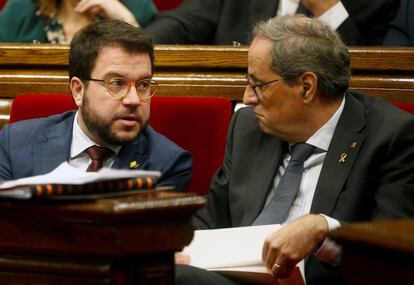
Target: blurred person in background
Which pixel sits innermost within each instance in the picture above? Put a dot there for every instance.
(56, 21)
(401, 29)
(224, 22)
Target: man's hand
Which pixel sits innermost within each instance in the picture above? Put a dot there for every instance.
(283, 249)
(110, 9)
(318, 7)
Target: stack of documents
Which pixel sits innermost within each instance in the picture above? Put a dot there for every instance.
(68, 181)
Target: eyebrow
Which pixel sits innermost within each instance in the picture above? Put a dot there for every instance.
(255, 79)
(116, 74)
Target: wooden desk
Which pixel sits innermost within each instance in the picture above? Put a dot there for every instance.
(377, 253)
(129, 240)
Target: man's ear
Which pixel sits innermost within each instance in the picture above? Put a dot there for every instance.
(309, 83)
(78, 90)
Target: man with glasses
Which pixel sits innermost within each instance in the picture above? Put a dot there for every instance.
(110, 71)
(307, 153)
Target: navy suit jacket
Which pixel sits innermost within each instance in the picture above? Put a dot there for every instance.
(401, 31)
(38, 146)
(225, 21)
(376, 181)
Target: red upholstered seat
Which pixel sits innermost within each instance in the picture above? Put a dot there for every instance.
(166, 4)
(30, 106)
(199, 125)
(2, 3)
(409, 107)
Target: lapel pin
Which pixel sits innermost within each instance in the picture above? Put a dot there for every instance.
(342, 157)
(133, 164)
(353, 145)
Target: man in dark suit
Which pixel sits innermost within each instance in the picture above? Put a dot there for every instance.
(401, 29)
(110, 70)
(362, 22)
(361, 167)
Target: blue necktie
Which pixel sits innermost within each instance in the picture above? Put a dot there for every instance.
(277, 210)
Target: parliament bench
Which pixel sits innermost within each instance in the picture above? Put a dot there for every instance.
(39, 254)
(200, 71)
(197, 124)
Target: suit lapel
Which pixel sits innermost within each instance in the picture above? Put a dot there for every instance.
(132, 155)
(49, 154)
(265, 160)
(343, 150)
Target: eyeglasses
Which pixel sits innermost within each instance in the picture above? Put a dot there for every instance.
(254, 86)
(119, 87)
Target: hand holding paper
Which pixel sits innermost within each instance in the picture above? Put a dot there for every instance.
(293, 242)
(236, 252)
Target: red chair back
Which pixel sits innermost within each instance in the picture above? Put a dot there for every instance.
(166, 4)
(199, 125)
(2, 3)
(409, 107)
(31, 106)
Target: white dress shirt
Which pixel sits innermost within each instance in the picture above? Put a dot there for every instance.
(312, 167)
(334, 17)
(80, 142)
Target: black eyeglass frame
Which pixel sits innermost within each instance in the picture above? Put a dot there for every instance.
(254, 86)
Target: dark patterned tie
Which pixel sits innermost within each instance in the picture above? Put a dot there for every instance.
(97, 154)
(276, 211)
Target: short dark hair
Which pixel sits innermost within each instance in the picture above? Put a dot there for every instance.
(89, 41)
(301, 44)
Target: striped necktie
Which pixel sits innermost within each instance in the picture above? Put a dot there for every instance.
(276, 211)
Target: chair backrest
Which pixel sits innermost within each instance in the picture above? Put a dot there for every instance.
(199, 125)
(31, 106)
(166, 4)
(2, 3)
(409, 107)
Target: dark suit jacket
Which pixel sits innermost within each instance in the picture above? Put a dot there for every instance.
(401, 30)
(225, 21)
(375, 182)
(38, 146)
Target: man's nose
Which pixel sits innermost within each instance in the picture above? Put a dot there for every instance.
(249, 97)
(132, 97)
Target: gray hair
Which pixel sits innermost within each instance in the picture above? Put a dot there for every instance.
(301, 44)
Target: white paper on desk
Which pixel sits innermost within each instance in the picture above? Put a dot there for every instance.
(67, 174)
(229, 247)
(237, 252)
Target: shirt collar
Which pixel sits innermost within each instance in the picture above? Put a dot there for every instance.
(80, 141)
(322, 137)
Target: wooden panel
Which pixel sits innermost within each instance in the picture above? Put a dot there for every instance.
(205, 71)
(125, 240)
(377, 253)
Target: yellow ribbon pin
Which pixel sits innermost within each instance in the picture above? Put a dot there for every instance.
(342, 157)
(133, 164)
(353, 145)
